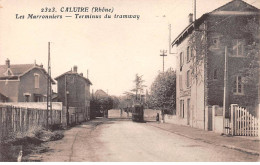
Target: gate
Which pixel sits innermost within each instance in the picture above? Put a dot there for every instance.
(242, 122)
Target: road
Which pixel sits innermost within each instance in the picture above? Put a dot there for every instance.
(114, 139)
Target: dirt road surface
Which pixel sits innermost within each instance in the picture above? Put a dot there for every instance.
(114, 139)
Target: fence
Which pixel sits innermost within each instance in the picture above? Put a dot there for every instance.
(20, 119)
(242, 122)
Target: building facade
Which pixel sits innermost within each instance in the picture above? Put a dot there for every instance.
(23, 82)
(74, 91)
(231, 30)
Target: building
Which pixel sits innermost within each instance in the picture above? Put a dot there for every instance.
(23, 82)
(74, 91)
(100, 94)
(232, 29)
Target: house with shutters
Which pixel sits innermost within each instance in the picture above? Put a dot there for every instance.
(231, 30)
(23, 82)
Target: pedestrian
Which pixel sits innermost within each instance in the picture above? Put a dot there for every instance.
(157, 117)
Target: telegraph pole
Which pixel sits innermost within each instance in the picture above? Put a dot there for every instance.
(225, 99)
(195, 10)
(163, 55)
(49, 89)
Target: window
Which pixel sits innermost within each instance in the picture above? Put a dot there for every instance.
(182, 108)
(37, 99)
(238, 87)
(215, 42)
(188, 54)
(181, 60)
(215, 74)
(27, 98)
(36, 80)
(188, 79)
(237, 47)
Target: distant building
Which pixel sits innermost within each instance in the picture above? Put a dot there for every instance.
(23, 83)
(201, 60)
(100, 94)
(74, 91)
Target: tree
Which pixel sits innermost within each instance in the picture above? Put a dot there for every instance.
(163, 92)
(138, 88)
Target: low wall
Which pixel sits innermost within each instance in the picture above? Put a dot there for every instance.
(76, 115)
(150, 114)
(218, 124)
(174, 119)
(35, 105)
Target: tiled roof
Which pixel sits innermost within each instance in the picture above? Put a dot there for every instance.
(234, 5)
(17, 69)
(75, 73)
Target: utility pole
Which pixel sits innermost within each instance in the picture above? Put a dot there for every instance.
(225, 98)
(194, 10)
(66, 101)
(163, 55)
(49, 89)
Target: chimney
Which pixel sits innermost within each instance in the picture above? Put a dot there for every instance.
(81, 74)
(7, 63)
(75, 69)
(41, 66)
(190, 18)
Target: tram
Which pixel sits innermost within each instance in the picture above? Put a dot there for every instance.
(138, 113)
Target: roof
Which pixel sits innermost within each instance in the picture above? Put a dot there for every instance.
(73, 73)
(234, 7)
(18, 70)
(100, 93)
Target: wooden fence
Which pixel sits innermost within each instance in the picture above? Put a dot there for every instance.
(19, 119)
(242, 122)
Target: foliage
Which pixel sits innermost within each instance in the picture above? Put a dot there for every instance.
(243, 27)
(126, 101)
(163, 92)
(139, 86)
(99, 105)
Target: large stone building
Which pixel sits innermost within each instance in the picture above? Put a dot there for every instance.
(74, 91)
(232, 29)
(23, 83)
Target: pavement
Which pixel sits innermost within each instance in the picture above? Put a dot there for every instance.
(245, 144)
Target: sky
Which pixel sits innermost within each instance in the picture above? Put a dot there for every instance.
(111, 50)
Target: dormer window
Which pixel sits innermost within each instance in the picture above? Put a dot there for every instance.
(8, 72)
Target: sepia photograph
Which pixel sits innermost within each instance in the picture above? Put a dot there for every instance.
(129, 81)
